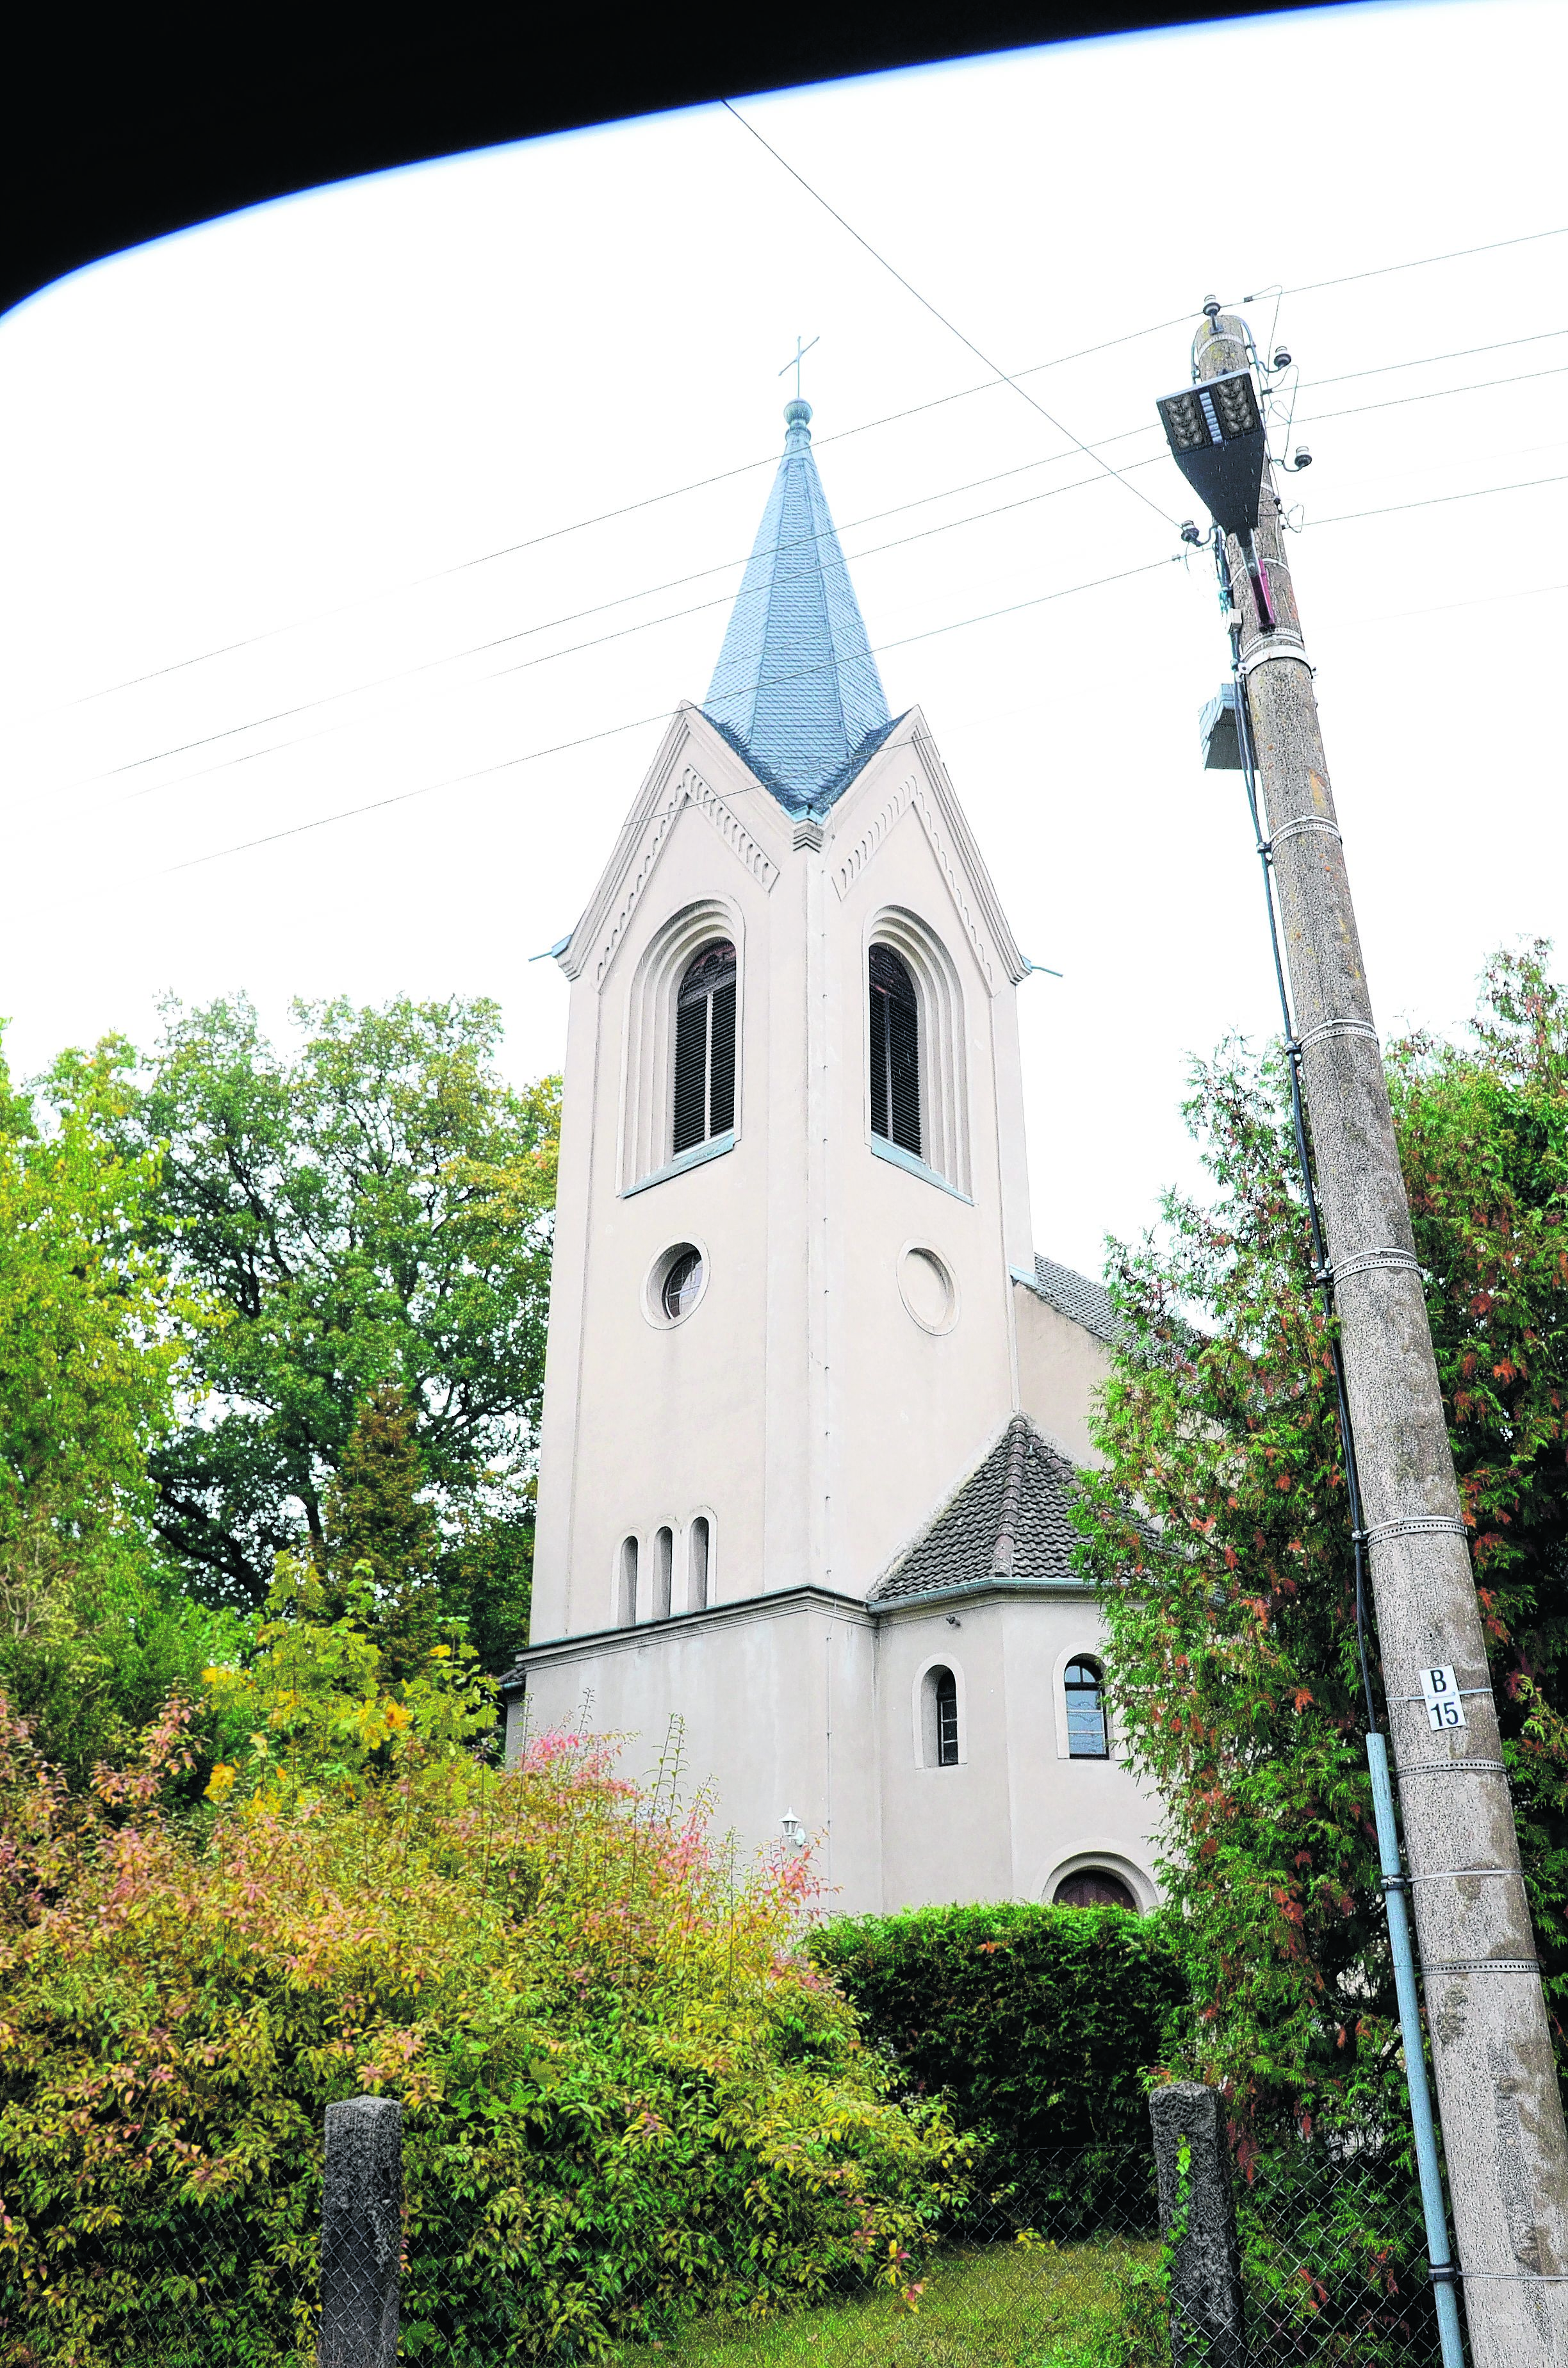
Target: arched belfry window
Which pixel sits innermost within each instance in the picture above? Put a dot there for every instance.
(704, 1048)
(1087, 1735)
(895, 1051)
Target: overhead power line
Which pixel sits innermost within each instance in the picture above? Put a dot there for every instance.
(526, 633)
(1418, 263)
(951, 326)
(767, 460)
(640, 722)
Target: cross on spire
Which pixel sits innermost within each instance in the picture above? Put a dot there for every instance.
(794, 364)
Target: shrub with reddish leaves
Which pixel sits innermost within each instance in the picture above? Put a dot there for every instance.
(627, 2090)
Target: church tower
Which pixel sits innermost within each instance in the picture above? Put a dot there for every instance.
(793, 1238)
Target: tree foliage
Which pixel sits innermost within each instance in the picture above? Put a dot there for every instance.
(92, 1348)
(628, 2094)
(375, 1210)
(1218, 1531)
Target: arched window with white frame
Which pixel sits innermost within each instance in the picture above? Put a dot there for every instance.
(1088, 1730)
(683, 1050)
(916, 1052)
(938, 1717)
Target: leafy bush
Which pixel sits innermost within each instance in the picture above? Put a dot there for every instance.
(1038, 2022)
(628, 2094)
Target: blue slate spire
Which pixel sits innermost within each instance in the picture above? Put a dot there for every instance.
(796, 689)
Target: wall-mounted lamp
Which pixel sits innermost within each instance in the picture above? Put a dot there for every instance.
(793, 1831)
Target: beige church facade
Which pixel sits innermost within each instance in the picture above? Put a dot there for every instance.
(811, 1403)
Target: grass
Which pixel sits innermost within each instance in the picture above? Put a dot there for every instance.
(1000, 2306)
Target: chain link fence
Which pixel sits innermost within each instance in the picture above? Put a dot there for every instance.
(1067, 2265)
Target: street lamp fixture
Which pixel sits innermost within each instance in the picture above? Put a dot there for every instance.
(1217, 440)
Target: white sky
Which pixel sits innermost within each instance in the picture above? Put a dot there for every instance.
(278, 424)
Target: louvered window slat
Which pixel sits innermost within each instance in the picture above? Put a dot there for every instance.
(895, 1052)
(721, 1061)
(691, 1075)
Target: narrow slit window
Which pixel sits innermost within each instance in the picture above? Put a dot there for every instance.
(664, 1570)
(704, 1048)
(895, 1052)
(698, 1585)
(947, 1719)
(1087, 1737)
(629, 1583)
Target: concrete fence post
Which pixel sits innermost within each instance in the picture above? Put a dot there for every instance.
(1198, 2221)
(361, 2233)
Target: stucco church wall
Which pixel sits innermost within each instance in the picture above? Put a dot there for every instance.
(909, 1409)
(773, 1695)
(1060, 1367)
(1016, 1812)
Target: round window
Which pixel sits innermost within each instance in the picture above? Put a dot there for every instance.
(928, 1289)
(676, 1283)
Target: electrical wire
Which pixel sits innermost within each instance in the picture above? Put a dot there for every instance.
(607, 518)
(951, 326)
(1422, 361)
(746, 468)
(1436, 394)
(1432, 502)
(500, 641)
(526, 666)
(1417, 263)
(637, 723)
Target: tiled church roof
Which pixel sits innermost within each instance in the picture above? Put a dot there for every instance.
(796, 689)
(1073, 1295)
(1007, 1519)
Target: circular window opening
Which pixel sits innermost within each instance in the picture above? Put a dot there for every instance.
(926, 1289)
(676, 1284)
(1095, 1886)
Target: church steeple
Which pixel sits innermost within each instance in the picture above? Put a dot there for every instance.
(795, 688)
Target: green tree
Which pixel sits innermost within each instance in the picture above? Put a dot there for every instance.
(1218, 1532)
(382, 1530)
(375, 1208)
(91, 1631)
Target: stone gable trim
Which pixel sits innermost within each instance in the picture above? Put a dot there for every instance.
(929, 790)
(598, 933)
(563, 1650)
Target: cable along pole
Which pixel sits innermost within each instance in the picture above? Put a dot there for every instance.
(1501, 2109)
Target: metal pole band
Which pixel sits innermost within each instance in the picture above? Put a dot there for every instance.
(1420, 1525)
(1269, 652)
(1453, 1873)
(1517, 2277)
(1304, 822)
(1483, 1965)
(1336, 1028)
(1453, 1767)
(1371, 1261)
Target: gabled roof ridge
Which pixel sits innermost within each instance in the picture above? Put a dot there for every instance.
(1007, 1518)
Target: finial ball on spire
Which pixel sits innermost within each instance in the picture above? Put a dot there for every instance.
(797, 414)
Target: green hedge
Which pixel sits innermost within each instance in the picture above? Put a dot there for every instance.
(1039, 2020)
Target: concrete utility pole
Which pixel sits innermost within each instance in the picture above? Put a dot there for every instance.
(1501, 2112)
